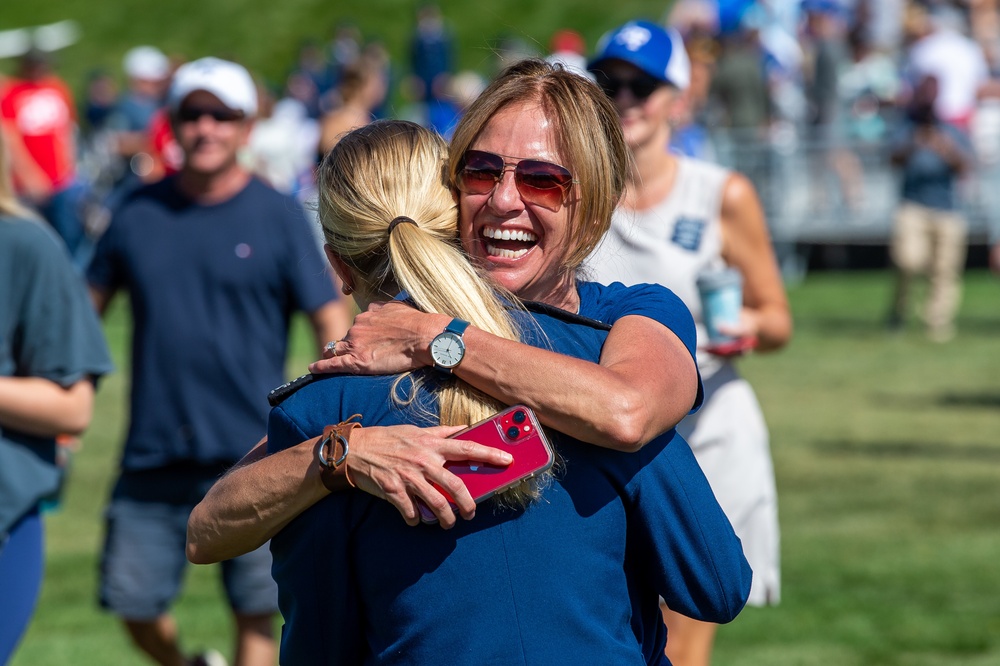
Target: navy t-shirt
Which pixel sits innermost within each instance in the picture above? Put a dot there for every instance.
(576, 574)
(213, 289)
(928, 179)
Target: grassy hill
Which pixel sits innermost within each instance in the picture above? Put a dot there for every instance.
(265, 35)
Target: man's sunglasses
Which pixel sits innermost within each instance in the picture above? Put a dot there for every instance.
(220, 114)
(641, 85)
(541, 183)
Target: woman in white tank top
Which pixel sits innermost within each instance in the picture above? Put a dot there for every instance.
(681, 218)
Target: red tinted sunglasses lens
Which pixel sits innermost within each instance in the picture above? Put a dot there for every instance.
(538, 182)
(480, 172)
(543, 183)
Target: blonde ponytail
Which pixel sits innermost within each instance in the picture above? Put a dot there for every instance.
(373, 178)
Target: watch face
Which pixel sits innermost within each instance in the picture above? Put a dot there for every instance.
(447, 350)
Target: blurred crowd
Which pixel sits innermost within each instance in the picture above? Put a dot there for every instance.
(766, 71)
(916, 82)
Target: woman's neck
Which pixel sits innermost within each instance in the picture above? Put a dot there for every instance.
(561, 293)
(653, 174)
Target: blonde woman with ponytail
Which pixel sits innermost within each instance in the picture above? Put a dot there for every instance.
(402, 237)
(540, 576)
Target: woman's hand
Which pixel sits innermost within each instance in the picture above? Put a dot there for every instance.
(746, 246)
(387, 339)
(748, 326)
(405, 464)
(743, 334)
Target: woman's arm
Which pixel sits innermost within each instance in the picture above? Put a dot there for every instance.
(746, 245)
(40, 407)
(686, 544)
(253, 501)
(263, 493)
(645, 384)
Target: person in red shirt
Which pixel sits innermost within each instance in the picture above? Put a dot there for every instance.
(38, 118)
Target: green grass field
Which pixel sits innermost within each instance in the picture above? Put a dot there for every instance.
(265, 35)
(887, 453)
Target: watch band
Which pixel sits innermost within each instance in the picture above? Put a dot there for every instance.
(457, 326)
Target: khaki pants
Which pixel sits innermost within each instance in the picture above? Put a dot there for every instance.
(930, 241)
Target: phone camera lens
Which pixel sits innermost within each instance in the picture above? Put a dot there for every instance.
(513, 432)
(519, 416)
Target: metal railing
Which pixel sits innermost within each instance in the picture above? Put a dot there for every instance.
(841, 191)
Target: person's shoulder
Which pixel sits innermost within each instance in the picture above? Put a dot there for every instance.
(57, 84)
(161, 191)
(275, 207)
(703, 168)
(280, 394)
(258, 189)
(596, 294)
(310, 389)
(609, 303)
(955, 132)
(22, 236)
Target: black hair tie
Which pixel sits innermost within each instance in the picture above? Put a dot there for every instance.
(399, 220)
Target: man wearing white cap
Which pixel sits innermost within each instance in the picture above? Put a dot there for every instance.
(215, 263)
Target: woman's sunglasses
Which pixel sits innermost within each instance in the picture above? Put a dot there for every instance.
(541, 183)
(641, 85)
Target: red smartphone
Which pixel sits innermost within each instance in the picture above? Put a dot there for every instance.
(515, 430)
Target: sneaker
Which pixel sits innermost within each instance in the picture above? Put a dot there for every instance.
(208, 658)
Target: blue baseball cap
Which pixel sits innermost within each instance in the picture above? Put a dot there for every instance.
(822, 7)
(656, 50)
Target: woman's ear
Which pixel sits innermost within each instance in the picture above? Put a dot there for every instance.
(342, 270)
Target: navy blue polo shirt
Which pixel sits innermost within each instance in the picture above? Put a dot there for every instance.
(576, 574)
(213, 289)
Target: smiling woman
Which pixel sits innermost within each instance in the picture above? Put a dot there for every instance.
(635, 384)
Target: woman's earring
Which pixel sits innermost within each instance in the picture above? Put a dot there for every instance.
(347, 289)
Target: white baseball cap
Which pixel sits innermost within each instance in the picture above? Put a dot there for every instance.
(147, 63)
(230, 82)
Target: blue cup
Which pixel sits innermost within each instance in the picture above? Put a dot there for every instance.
(721, 301)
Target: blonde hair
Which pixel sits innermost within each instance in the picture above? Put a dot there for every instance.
(394, 168)
(588, 131)
(9, 205)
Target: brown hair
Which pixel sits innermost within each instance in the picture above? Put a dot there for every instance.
(387, 213)
(589, 135)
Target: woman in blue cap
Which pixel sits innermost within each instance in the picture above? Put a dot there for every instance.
(680, 219)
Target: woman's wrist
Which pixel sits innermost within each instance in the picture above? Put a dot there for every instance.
(431, 325)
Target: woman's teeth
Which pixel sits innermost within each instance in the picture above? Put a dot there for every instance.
(495, 251)
(508, 235)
